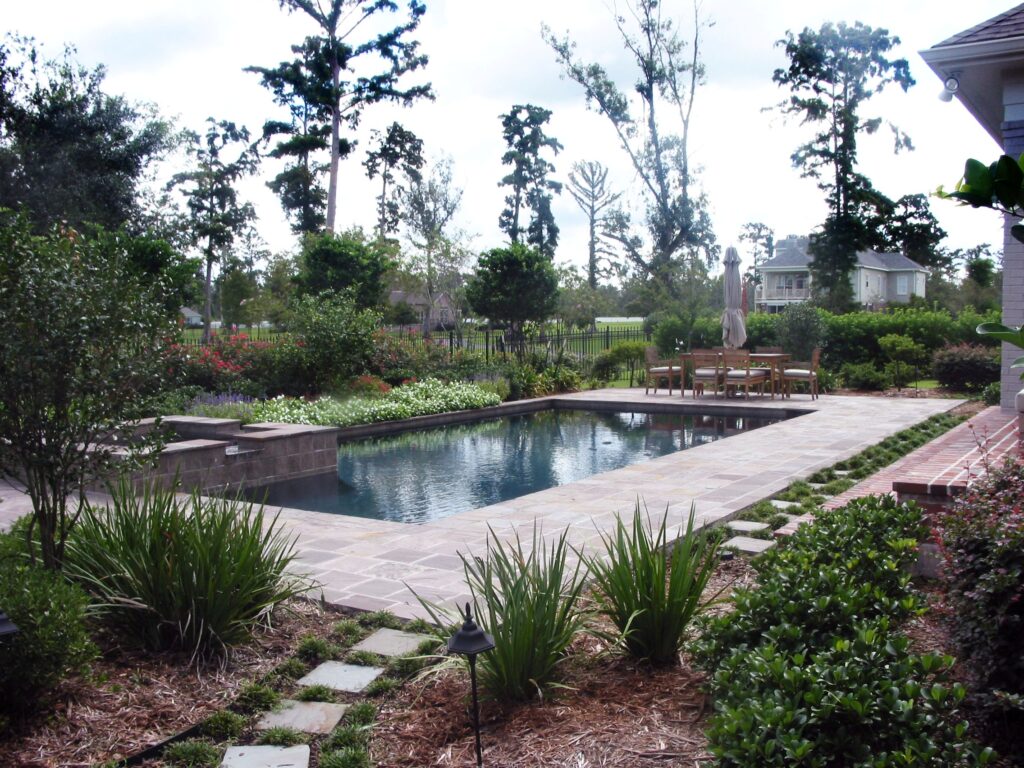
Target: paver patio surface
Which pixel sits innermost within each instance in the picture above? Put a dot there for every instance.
(371, 564)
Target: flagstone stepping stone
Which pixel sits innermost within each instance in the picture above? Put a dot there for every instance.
(305, 716)
(749, 546)
(266, 757)
(339, 676)
(390, 642)
(843, 472)
(747, 526)
(783, 504)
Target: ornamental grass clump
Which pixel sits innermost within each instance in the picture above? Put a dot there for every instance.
(196, 575)
(651, 596)
(528, 599)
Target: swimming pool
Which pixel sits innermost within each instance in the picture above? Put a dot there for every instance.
(428, 474)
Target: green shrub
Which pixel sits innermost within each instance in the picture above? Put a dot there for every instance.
(192, 753)
(806, 670)
(863, 376)
(364, 713)
(280, 736)
(291, 669)
(378, 620)
(256, 697)
(315, 692)
(528, 600)
(350, 757)
(649, 595)
(349, 735)
(982, 539)
(382, 686)
(364, 659)
(992, 393)
(223, 726)
(851, 565)
(337, 337)
(864, 702)
(965, 367)
(313, 649)
(672, 333)
(347, 631)
(53, 641)
(197, 575)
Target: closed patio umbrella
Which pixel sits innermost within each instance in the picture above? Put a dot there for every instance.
(734, 330)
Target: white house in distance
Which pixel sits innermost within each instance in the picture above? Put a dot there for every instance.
(879, 279)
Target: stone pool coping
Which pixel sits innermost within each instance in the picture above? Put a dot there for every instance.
(371, 564)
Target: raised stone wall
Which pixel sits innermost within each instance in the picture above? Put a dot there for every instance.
(221, 455)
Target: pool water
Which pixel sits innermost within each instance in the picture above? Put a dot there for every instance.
(415, 477)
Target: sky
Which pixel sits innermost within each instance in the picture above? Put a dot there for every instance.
(187, 57)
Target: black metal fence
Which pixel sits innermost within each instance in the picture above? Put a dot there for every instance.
(584, 345)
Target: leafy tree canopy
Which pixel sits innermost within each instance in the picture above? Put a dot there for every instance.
(832, 72)
(70, 152)
(654, 134)
(325, 98)
(513, 285)
(347, 260)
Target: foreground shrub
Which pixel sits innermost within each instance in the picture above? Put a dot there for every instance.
(861, 702)
(53, 641)
(196, 575)
(419, 399)
(965, 367)
(808, 671)
(336, 336)
(982, 537)
(528, 599)
(649, 595)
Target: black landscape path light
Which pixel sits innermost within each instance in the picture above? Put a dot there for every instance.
(470, 641)
(7, 627)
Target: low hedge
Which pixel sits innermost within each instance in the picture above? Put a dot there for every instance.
(966, 367)
(808, 669)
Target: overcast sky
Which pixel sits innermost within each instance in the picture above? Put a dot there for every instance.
(187, 57)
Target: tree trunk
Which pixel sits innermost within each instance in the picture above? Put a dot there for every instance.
(208, 304)
(332, 184)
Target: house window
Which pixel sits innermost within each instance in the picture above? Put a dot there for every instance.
(901, 285)
(800, 282)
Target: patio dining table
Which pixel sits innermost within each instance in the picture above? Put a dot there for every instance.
(775, 361)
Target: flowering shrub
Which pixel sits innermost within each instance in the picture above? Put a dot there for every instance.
(219, 366)
(224, 406)
(419, 399)
(982, 539)
(367, 386)
(399, 358)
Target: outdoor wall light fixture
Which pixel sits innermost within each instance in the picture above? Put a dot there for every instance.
(470, 641)
(7, 627)
(950, 87)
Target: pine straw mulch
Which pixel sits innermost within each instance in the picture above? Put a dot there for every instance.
(613, 712)
(132, 699)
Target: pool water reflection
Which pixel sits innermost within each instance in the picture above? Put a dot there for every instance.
(415, 477)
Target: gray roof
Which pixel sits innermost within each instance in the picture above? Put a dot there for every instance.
(1002, 27)
(792, 254)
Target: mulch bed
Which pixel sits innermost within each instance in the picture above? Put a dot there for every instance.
(133, 699)
(613, 712)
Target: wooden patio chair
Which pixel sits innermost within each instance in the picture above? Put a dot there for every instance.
(739, 372)
(804, 373)
(659, 369)
(708, 368)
